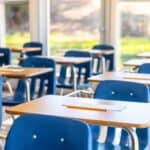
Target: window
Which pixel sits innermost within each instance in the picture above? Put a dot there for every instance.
(74, 24)
(135, 28)
(17, 24)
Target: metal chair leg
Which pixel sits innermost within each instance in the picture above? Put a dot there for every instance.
(9, 88)
(61, 91)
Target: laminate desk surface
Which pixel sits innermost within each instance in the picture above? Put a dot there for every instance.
(25, 49)
(131, 114)
(70, 60)
(22, 72)
(135, 62)
(144, 55)
(101, 52)
(134, 77)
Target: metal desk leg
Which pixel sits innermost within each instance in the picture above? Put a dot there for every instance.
(75, 77)
(9, 87)
(27, 83)
(24, 55)
(103, 64)
(134, 138)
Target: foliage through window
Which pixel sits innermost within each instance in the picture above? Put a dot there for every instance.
(74, 24)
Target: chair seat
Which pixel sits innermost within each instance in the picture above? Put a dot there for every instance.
(12, 101)
(70, 85)
(96, 73)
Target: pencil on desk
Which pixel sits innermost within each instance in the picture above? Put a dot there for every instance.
(85, 108)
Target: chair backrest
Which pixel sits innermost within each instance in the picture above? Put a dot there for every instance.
(6, 59)
(144, 68)
(41, 84)
(41, 132)
(103, 47)
(110, 57)
(122, 90)
(34, 44)
(83, 70)
(126, 91)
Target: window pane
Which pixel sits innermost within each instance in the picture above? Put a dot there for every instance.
(135, 28)
(74, 24)
(17, 24)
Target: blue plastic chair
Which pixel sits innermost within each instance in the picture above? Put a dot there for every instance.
(42, 81)
(83, 72)
(109, 58)
(41, 132)
(6, 59)
(126, 91)
(144, 68)
(1, 85)
(33, 44)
